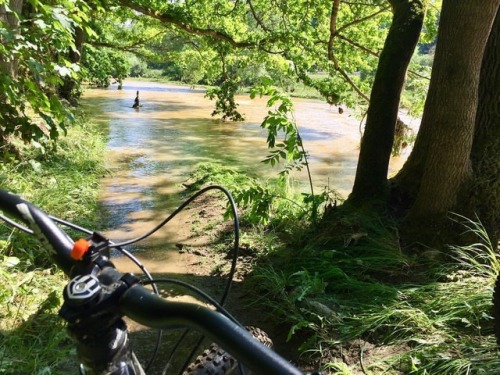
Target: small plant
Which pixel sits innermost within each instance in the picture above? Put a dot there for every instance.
(225, 104)
(290, 149)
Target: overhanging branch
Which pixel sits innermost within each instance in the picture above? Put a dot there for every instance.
(363, 19)
(171, 19)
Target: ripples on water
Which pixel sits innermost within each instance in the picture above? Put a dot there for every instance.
(152, 150)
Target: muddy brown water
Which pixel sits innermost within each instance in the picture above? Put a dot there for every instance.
(152, 150)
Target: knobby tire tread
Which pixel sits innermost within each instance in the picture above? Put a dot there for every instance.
(216, 361)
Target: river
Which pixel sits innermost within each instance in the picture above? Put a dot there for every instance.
(152, 150)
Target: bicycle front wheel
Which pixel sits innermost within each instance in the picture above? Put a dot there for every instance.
(216, 361)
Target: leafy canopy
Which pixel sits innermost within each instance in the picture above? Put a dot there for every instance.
(35, 43)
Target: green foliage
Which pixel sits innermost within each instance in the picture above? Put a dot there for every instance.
(280, 121)
(431, 21)
(99, 65)
(225, 104)
(417, 84)
(172, 71)
(348, 294)
(138, 70)
(64, 183)
(290, 149)
(33, 63)
(262, 203)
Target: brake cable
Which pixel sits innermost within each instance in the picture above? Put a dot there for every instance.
(151, 280)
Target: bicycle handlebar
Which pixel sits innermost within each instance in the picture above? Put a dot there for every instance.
(148, 309)
(141, 305)
(44, 228)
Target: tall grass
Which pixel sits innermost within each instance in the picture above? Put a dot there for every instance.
(429, 320)
(63, 180)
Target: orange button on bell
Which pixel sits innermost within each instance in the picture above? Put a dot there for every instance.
(79, 249)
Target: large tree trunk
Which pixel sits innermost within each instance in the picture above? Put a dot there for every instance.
(9, 66)
(69, 87)
(376, 145)
(440, 162)
(485, 154)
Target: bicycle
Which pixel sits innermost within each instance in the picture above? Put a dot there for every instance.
(98, 297)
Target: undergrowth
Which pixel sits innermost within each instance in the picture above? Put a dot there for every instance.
(63, 180)
(264, 204)
(358, 302)
(367, 307)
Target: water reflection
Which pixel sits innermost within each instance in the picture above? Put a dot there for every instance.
(152, 150)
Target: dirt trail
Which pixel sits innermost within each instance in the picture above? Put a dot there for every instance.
(190, 255)
(151, 152)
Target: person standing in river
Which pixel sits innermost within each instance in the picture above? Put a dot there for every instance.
(136, 101)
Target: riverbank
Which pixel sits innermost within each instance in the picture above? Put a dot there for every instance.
(64, 182)
(345, 296)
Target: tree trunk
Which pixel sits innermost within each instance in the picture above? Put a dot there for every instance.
(8, 66)
(485, 155)
(69, 86)
(440, 162)
(371, 175)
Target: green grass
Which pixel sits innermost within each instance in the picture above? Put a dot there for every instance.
(65, 183)
(346, 285)
(434, 316)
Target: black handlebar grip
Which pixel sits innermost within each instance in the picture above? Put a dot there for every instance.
(144, 307)
(43, 227)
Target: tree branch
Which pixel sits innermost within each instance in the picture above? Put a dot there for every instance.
(171, 19)
(356, 44)
(355, 22)
(228, 13)
(257, 18)
(356, 3)
(130, 47)
(331, 55)
(375, 54)
(333, 27)
(351, 83)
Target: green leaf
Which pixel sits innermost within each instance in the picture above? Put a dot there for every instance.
(63, 71)
(10, 262)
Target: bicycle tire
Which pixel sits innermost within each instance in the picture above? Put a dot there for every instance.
(216, 361)
(496, 309)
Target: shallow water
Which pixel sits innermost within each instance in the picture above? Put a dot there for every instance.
(152, 150)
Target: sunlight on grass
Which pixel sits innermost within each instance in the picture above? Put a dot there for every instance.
(439, 324)
(65, 184)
